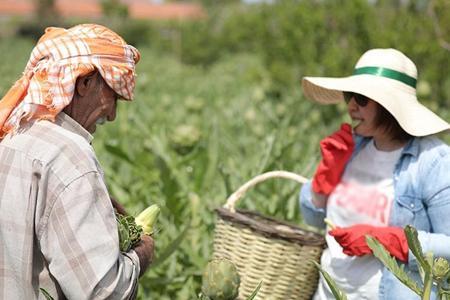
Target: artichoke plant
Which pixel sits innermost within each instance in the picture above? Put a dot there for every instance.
(440, 268)
(184, 138)
(433, 271)
(220, 280)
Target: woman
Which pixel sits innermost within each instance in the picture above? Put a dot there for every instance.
(384, 173)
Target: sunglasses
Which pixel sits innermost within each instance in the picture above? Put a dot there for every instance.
(361, 100)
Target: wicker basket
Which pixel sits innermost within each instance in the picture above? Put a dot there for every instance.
(267, 250)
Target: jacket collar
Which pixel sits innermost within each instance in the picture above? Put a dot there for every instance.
(412, 147)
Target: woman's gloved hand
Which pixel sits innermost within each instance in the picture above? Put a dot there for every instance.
(336, 150)
(353, 240)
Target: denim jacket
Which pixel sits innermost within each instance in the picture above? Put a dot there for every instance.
(421, 198)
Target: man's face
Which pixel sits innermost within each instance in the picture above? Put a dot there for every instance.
(93, 103)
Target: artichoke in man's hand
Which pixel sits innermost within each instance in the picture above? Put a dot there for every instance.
(147, 218)
(130, 228)
(129, 232)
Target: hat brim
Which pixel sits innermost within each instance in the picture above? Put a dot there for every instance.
(399, 99)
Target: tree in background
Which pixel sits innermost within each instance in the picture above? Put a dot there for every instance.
(114, 8)
(439, 11)
(46, 10)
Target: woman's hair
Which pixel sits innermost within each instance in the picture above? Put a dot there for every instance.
(384, 119)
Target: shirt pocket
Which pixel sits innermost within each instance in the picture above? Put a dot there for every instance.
(410, 210)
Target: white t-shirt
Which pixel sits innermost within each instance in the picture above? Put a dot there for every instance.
(364, 196)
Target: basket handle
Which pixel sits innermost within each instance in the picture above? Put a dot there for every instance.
(231, 201)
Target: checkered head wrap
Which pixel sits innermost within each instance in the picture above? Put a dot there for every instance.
(59, 58)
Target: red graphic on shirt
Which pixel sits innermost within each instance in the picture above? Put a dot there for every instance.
(367, 200)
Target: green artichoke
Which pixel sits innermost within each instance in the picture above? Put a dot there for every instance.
(130, 228)
(220, 280)
(147, 218)
(129, 232)
(184, 138)
(440, 268)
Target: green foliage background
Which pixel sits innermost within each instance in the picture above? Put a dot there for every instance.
(218, 101)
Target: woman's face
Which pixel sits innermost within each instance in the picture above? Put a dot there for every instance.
(363, 112)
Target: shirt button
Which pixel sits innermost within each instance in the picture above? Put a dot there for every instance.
(412, 205)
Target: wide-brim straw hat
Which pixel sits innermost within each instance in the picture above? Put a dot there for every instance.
(388, 77)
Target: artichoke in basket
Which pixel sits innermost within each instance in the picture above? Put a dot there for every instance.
(220, 280)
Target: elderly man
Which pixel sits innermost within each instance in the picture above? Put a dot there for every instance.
(57, 224)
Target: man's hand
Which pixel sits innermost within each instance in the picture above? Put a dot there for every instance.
(145, 250)
(353, 240)
(118, 207)
(336, 150)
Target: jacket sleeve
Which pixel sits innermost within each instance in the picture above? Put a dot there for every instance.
(436, 195)
(80, 243)
(311, 215)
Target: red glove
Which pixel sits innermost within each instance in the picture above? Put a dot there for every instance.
(353, 240)
(336, 150)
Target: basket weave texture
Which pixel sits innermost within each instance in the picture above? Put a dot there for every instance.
(264, 249)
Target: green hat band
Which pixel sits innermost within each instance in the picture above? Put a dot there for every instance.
(388, 73)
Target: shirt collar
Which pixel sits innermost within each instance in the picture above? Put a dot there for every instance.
(411, 147)
(70, 124)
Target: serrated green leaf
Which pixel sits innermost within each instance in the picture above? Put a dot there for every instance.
(416, 248)
(391, 264)
(171, 247)
(119, 153)
(337, 293)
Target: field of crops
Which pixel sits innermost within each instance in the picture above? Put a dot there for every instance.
(190, 138)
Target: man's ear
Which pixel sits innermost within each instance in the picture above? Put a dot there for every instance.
(84, 83)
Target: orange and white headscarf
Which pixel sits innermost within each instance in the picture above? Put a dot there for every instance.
(59, 58)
